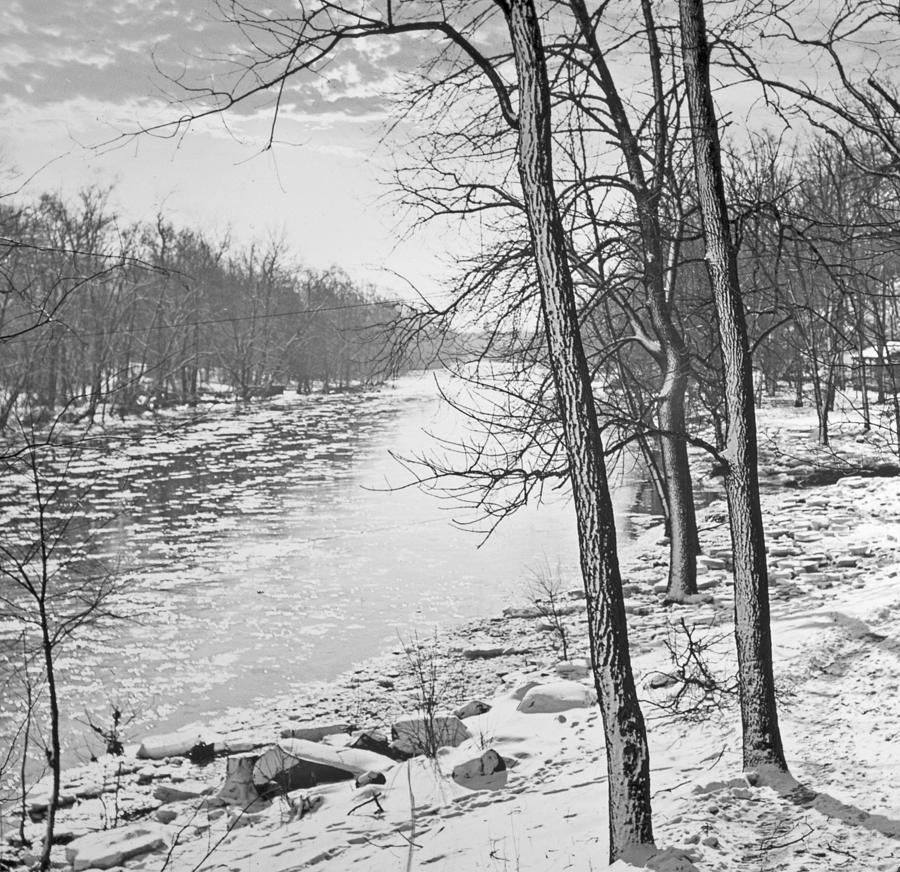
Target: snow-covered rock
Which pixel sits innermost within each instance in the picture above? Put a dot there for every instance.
(557, 696)
(108, 848)
(472, 709)
(413, 735)
(572, 669)
(476, 773)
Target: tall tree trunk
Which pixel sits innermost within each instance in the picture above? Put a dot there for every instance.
(627, 754)
(684, 542)
(762, 746)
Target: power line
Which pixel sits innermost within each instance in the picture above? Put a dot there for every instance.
(230, 319)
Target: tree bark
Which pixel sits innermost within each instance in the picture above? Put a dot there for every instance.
(762, 745)
(626, 742)
(684, 542)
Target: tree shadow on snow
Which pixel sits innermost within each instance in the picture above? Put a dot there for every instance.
(834, 808)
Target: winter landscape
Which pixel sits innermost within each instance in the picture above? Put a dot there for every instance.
(450, 436)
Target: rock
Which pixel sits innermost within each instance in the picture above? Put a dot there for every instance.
(661, 679)
(165, 814)
(471, 709)
(298, 763)
(415, 735)
(146, 774)
(174, 744)
(316, 731)
(573, 668)
(476, 773)
(710, 842)
(108, 848)
(377, 743)
(557, 696)
(202, 753)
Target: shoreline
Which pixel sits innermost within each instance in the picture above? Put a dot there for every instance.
(369, 693)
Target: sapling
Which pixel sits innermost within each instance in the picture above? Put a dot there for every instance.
(545, 593)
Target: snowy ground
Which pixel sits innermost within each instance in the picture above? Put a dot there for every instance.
(834, 561)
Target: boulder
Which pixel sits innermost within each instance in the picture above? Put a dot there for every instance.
(315, 731)
(298, 763)
(415, 735)
(108, 848)
(488, 770)
(557, 696)
(377, 743)
(471, 709)
(572, 669)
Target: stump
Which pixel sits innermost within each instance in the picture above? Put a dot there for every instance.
(239, 788)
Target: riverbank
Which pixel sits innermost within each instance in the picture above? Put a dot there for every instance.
(834, 560)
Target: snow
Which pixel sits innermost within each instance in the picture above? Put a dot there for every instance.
(836, 636)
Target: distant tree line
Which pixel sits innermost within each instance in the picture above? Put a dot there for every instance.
(103, 318)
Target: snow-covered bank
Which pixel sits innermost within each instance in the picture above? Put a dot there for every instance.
(835, 554)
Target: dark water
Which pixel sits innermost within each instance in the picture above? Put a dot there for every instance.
(259, 548)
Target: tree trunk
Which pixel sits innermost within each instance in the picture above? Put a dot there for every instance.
(761, 736)
(684, 543)
(626, 742)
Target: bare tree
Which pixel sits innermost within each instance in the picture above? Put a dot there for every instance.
(285, 47)
(54, 588)
(762, 746)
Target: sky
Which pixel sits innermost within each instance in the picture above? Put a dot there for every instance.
(76, 74)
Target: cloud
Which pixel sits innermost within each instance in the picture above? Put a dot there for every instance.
(129, 49)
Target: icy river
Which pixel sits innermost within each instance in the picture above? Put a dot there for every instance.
(263, 546)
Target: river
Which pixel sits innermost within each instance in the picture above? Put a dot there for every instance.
(261, 546)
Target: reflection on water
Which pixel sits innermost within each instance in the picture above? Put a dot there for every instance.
(263, 549)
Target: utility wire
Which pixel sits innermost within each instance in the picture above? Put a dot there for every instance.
(229, 319)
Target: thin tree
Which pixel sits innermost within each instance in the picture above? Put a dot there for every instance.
(762, 745)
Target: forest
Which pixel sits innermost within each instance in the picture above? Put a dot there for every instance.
(102, 319)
